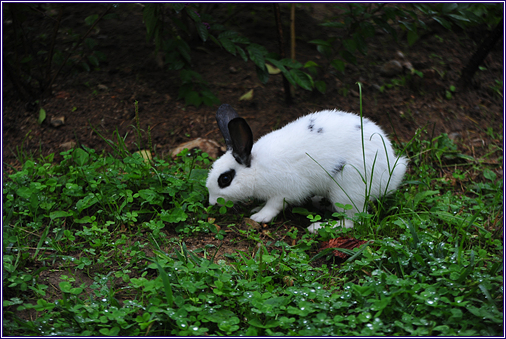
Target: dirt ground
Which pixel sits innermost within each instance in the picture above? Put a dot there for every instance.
(104, 98)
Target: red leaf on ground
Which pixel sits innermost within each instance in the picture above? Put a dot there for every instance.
(341, 242)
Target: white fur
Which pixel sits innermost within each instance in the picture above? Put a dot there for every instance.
(282, 168)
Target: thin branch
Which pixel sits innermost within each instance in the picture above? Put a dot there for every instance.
(48, 88)
(53, 41)
(286, 84)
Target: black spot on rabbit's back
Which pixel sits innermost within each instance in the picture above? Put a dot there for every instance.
(338, 168)
(365, 121)
(320, 130)
(311, 125)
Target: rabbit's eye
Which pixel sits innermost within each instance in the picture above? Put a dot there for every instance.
(226, 178)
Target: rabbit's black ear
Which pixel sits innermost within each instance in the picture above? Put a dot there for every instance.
(242, 140)
(224, 115)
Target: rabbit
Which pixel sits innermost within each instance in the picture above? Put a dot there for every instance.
(302, 160)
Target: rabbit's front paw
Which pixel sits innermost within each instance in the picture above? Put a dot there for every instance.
(272, 207)
(264, 215)
(314, 227)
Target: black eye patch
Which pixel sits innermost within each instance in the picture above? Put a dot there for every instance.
(226, 178)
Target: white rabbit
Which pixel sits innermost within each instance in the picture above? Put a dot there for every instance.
(302, 160)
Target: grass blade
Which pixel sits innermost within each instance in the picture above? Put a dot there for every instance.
(411, 228)
(166, 285)
(41, 241)
(359, 252)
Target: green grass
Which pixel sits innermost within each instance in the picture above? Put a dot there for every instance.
(111, 233)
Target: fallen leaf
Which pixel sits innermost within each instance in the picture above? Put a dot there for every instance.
(57, 121)
(252, 223)
(272, 70)
(342, 242)
(288, 280)
(145, 154)
(208, 146)
(42, 115)
(247, 96)
(68, 145)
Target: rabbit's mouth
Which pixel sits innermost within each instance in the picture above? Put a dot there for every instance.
(213, 201)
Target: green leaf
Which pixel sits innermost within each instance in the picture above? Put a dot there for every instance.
(228, 45)
(360, 43)
(59, 214)
(209, 99)
(320, 42)
(412, 229)
(412, 37)
(91, 19)
(262, 74)
(348, 57)
(311, 64)
(202, 31)
(24, 192)
(178, 7)
(442, 22)
(367, 30)
(257, 323)
(193, 98)
(192, 14)
(338, 64)
(43, 305)
(81, 157)
(448, 7)
(86, 202)
(302, 79)
(240, 40)
(290, 63)
(65, 286)
(93, 60)
(216, 41)
(184, 49)
(85, 66)
(257, 56)
(321, 86)
(359, 252)
(488, 174)
(325, 51)
(350, 45)
(150, 17)
(166, 285)
(42, 115)
(241, 53)
(333, 24)
(41, 241)
(174, 216)
(112, 332)
(300, 210)
(228, 35)
(280, 65)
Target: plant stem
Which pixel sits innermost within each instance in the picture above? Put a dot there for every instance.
(286, 84)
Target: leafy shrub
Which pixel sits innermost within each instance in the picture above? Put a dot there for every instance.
(360, 22)
(35, 58)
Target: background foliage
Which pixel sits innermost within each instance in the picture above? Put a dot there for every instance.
(35, 59)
